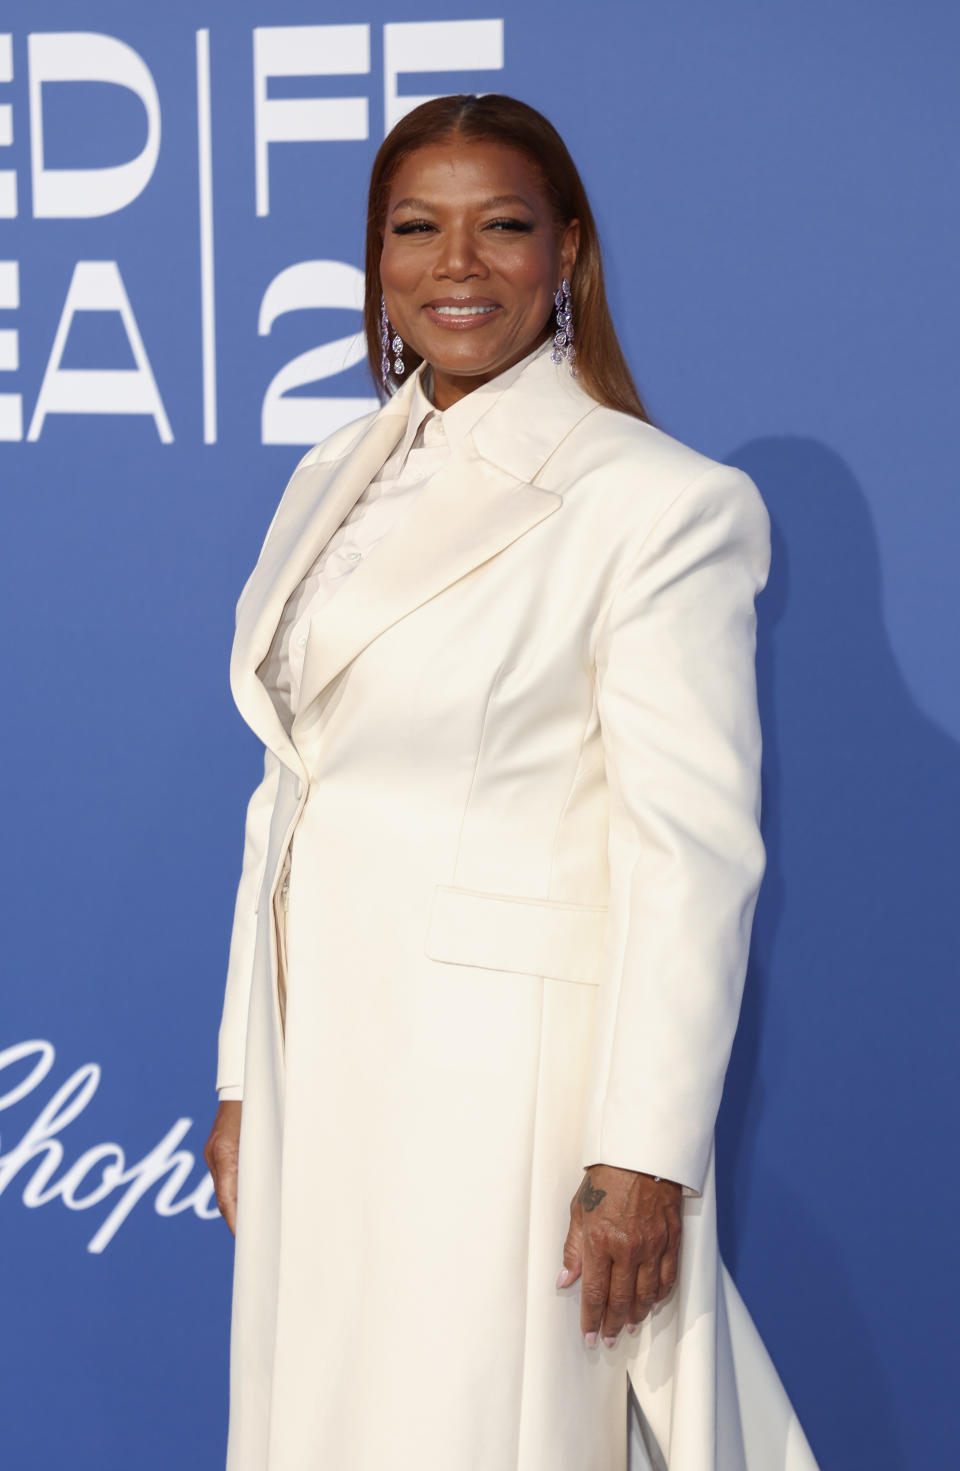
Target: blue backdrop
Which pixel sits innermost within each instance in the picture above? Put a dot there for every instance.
(774, 186)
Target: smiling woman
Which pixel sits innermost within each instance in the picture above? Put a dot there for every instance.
(498, 880)
(477, 200)
(471, 260)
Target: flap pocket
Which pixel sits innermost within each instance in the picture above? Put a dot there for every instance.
(540, 937)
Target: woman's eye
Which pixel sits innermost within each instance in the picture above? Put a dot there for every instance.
(421, 227)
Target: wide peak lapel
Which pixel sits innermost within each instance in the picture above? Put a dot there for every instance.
(317, 498)
(528, 422)
(469, 512)
(464, 515)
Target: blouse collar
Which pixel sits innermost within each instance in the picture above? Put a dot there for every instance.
(460, 418)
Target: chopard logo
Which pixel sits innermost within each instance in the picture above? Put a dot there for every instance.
(101, 1175)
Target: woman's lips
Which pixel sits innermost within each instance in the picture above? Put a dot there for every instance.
(461, 315)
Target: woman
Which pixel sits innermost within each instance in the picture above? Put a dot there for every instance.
(499, 877)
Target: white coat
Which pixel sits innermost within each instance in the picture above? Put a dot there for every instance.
(516, 825)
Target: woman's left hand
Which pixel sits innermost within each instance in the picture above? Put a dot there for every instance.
(624, 1240)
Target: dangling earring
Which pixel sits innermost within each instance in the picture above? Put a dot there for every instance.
(563, 348)
(386, 347)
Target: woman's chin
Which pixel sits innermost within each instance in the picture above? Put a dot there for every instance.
(471, 359)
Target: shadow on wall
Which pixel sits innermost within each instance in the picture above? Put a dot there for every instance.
(844, 1067)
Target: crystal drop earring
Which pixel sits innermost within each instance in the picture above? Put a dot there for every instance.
(386, 347)
(396, 347)
(563, 348)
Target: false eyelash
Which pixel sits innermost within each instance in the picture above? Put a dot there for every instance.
(414, 227)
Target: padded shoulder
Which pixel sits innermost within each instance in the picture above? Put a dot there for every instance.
(617, 440)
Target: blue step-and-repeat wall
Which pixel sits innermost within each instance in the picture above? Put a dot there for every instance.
(181, 217)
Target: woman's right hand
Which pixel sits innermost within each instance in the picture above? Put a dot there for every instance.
(221, 1152)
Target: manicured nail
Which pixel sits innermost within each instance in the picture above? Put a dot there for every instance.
(562, 1277)
(611, 1340)
(590, 1339)
(632, 1327)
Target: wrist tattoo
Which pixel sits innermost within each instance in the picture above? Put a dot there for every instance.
(589, 1196)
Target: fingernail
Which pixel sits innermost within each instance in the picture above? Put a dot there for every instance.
(590, 1339)
(562, 1277)
(632, 1327)
(611, 1340)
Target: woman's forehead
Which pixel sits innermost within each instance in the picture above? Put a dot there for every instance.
(479, 170)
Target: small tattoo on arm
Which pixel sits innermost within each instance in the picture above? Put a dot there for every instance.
(589, 1196)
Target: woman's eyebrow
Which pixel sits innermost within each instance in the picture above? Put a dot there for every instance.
(496, 202)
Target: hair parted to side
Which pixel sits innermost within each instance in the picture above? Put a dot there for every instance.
(494, 117)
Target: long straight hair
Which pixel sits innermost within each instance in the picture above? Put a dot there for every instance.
(601, 365)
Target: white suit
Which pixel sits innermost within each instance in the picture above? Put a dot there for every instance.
(515, 823)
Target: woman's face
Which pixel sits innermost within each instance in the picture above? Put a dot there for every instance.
(472, 257)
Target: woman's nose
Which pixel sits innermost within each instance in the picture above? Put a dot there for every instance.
(458, 259)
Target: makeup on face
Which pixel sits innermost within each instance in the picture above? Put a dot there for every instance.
(471, 260)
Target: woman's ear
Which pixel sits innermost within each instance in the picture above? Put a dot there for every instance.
(569, 247)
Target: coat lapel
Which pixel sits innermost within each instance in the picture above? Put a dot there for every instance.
(464, 515)
(315, 501)
(480, 503)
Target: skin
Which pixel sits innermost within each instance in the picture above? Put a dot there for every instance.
(624, 1245)
(471, 222)
(221, 1152)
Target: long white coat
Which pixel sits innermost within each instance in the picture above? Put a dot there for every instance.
(518, 820)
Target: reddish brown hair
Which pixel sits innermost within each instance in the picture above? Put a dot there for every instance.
(601, 365)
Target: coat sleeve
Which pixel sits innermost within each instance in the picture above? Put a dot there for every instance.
(233, 1023)
(677, 703)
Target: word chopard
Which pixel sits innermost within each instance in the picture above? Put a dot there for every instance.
(100, 1172)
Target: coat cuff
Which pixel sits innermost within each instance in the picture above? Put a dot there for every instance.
(622, 1148)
